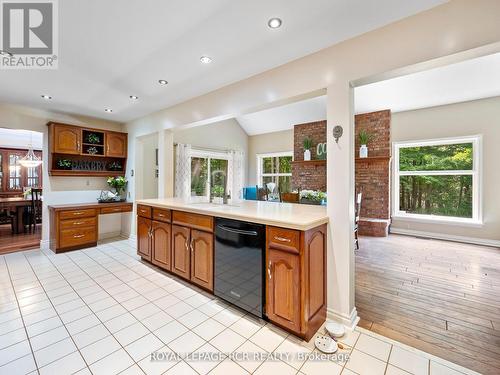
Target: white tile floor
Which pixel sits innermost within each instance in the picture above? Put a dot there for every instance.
(102, 311)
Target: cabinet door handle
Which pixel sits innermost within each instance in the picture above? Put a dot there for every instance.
(269, 270)
(282, 239)
(186, 245)
(78, 236)
(191, 245)
(78, 145)
(107, 148)
(150, 233)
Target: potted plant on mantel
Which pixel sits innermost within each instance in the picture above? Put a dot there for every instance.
(307, 143)
(364, 138)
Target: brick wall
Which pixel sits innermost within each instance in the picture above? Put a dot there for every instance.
(372, 175)
(308, 176)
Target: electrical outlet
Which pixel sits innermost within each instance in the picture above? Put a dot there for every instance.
(88, 182)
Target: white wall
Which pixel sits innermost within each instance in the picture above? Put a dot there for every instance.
(432, 37)
(59, 190)
(263, 143)
(147, 172)
(455, 120)
(222, 135)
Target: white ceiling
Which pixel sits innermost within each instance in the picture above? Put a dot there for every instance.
(17, 138)
(112, 49)
(284, 117)
(469, 80)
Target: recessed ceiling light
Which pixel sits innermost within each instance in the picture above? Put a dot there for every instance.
(205, 59)
(46, 97)
(274, 23)
(134, 97)
(5, 53)
(109, 110)
(162, 82)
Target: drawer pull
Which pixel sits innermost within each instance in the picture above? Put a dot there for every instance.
(282, 239)
(161, 215)
(78, 236)
(77, 213)
(78, 222)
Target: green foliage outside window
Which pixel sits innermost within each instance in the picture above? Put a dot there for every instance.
(442, 194)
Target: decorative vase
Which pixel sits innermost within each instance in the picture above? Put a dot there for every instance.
(307, 155)
(363, 151)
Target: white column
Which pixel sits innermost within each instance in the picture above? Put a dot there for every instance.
(166, 164)
(340, 184)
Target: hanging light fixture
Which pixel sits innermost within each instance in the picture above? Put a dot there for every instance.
(30, 160)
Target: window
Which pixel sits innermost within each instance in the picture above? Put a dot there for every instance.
(275, 168)
(209, 170)
(438, 180)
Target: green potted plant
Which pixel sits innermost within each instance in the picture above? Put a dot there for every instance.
(364, 138)
(312, 197)
(93, 138)
(64, 164)
(118, 183)
(308, 144)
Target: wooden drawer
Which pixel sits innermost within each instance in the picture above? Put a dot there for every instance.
(191, 220)
(114, 210)
(144, 211)
(284, 239)
(78, 223)
(77, 237)
(161, 214)
(89, 212)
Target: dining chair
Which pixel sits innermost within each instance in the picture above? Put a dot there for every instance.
(356, 220)
(36, 208)
(290, 197)
(261, 193)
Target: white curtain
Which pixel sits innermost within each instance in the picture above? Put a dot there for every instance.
(236, 174)
(183, 171)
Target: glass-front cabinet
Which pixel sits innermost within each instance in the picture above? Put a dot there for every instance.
(13, 176)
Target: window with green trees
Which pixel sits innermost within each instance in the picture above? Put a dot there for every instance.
(438, 178)
(276, 168)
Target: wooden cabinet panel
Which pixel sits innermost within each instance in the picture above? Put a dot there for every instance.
(284, 239)
(78, 223)
(114, 210)
(161, 214)
(66, 139)
(202, 259)
(116, 145)
(77, 236)
(144, 237)
(181, 264)
(316, 271)
(195, 221)
(161, 244)
(72, 214)
(283, 289)
(144, 211)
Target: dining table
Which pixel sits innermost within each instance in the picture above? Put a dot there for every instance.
(18, 203)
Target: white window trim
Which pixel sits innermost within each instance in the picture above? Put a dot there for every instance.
(261, 175)
(199, 153)
(477, 182)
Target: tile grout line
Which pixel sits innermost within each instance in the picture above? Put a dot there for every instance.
(22, 318)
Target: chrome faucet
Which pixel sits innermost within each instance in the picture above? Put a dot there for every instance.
(225, 195)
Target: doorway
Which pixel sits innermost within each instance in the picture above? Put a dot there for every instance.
(21, 189)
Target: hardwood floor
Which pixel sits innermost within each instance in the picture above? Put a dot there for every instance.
(15, 242)
(438, 296)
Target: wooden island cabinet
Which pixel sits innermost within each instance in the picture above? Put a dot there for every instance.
(295, 270)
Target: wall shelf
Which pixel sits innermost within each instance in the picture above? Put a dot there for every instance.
(371, 159)
(310, 162)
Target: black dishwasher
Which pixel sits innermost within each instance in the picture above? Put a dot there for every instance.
(239, 264)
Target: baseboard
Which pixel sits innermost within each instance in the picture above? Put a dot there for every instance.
(44, 244)
(350, 321)
(448, 237)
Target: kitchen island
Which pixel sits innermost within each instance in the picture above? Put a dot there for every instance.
(179, 237)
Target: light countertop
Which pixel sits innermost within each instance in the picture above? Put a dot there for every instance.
(286, 215)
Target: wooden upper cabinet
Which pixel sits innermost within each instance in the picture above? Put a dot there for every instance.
(66, 139)
(283, 289)
(144, 237)
(181, 259)
(202, 259)
(116, 145)
(161, 244)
